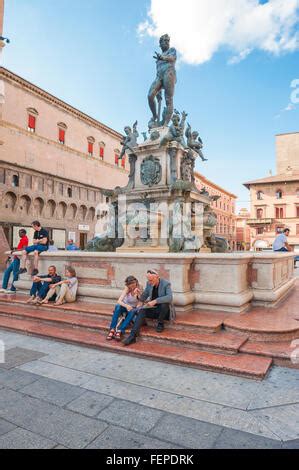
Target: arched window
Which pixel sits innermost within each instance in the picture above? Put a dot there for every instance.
(31, 119)
(15, 181)
(61, 132)
(90, 145)
(278, 194)
(102, 150)
(260, 195)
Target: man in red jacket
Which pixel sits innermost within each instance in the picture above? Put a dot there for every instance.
(14, 265)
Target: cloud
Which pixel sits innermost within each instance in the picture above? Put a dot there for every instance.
(200, 28)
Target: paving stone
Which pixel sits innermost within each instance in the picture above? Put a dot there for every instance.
(186, 432)
(130, 415)
(120, 389)
(291, 444)
(17, 356)
(271, 394)
(23, 439)
(62, 426)
(62, 374)
(281, 420)
(119, 438)
(16, 379)
(90, 403)
(230, 439)
(53, 391)
(5, 426)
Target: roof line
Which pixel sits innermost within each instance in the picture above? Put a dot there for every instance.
(200, 175)
(40, 91)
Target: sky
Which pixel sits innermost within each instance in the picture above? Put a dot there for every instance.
(238, 62)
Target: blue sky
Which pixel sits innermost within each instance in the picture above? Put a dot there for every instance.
(91, 55)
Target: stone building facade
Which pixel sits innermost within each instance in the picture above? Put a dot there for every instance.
(224, 208)
(243, 230)
(54, 162)
(275, 199)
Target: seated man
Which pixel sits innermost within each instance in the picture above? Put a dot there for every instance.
(157, 297)
(280, 243)
(40, 244)
(71, 246)
(14, 265)
(42, 284)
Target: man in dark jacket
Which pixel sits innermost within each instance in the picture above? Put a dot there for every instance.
(157, 298)
(42, 284)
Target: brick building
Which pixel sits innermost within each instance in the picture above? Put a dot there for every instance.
(275, 199)
(224, 208)
(54, 160)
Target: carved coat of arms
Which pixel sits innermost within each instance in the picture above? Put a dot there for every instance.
(150, 171)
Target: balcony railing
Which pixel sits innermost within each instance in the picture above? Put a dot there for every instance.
(259, 221)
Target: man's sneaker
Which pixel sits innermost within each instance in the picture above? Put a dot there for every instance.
(160, 327)
(34, 272)
(22, 271)
(129, 340)
(3, 291)
(9, 291)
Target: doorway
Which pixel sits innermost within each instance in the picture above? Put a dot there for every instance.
(83, 241)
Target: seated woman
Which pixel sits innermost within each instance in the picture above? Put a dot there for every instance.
(65, 290)
(126, 304)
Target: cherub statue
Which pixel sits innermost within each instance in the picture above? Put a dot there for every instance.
(194, 142)
(130, 140)
(176, 129)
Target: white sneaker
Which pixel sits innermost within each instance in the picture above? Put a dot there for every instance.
(2, 291)
(10, 291)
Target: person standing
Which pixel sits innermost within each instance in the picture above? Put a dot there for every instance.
(281, 242)
(157, 298)
(14, 265)
(40, 244)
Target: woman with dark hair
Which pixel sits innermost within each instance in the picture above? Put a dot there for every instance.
(126, 305)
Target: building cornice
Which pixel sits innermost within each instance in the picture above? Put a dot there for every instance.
(216, 186)
(59, 146)
(25, 84)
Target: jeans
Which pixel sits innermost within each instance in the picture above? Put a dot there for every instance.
(118, 311)
(12, 268)
(39, 248)
(40, 289)
(160, 312)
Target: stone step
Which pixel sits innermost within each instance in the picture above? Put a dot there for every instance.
(207, 322)
(218, 342)
(238, 364)
(283, 353)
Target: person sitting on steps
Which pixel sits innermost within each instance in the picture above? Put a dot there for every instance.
(42, 284)
(157, 298)
(40, 244)
(126, 305)
(65, 290)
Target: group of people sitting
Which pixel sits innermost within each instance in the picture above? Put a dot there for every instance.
(135, 305)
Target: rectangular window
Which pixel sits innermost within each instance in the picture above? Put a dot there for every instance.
(28, 182)
(60, 188)
(90, 149)
(2, 176)
(116, 159)
(297, 211)
(61, 136)
(102, 153)
(40, 184)
(31, 123)
(123, 162)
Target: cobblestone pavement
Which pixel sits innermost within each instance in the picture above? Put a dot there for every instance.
(59, 395)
